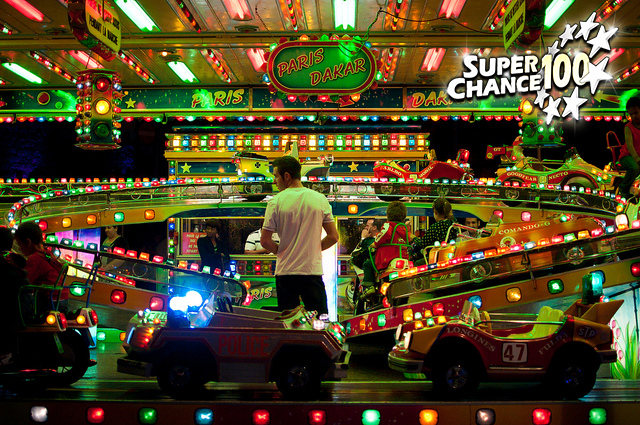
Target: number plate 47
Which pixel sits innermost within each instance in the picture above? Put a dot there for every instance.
(514, 352)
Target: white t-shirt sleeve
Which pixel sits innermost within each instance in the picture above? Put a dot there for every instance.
(270, 217)
(328, 214)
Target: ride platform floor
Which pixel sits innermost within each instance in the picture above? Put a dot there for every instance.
(370, 386)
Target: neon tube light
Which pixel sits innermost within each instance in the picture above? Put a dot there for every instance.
(136, 13)
(433, 58)
(24, 7)
(554, 11)
(238, 9)
(256, 56)
(183, 72)
(344, 14)
(24, 73)
(85, 59)
(451, 8)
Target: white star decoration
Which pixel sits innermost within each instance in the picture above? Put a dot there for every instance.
(540, 98)
(595, 75)
(552, 109)
(573, 104)
(586, 27)
(567, 35)
(601, 41)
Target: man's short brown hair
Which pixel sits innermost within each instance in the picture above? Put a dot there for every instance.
(396, 212)
(288, 164)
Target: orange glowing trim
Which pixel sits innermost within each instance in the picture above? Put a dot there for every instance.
(92, 219)
(182, 264)
(352, 209)
(503, 249)
(582, 234)
(384, 287)
(363, 325)
(490, 253)
(428, 314)
(543, 242)
(51, 319)
(81, 320)
(442, 320)
(66, 222)
(149, 214)
(418, 325)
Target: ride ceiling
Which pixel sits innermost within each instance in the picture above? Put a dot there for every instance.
(234, 37)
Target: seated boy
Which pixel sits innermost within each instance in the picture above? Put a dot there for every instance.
(42, 267)
(388, 244)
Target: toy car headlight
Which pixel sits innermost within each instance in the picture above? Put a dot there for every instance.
(398, 333)
(407, 339)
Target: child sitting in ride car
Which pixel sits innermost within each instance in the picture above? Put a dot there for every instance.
(390, 243)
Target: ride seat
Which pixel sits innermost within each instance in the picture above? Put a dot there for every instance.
(400, 262)
(541, 329)
(614, 148)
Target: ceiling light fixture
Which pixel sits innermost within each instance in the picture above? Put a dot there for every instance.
(344, 14)
(86, 60)
(183, 72)
(451, 8)
(256, 56)
(136, 13)
(432, 59)
(133, 64)
(238, 10)
(24, 73)
(52, 66)
(218, 64)
(554, 11)
(27, 9)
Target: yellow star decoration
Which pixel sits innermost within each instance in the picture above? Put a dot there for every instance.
(186, 168)
(353, 167)
(130, 103)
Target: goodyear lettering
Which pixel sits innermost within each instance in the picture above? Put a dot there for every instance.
(470, 333)
(520, 176)
(524, 228)
(242, 345)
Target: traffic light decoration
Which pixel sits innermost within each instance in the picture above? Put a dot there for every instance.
(534, 131)
(98, 111)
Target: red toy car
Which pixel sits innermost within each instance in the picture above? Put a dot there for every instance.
(294, 349)
(564, 349)
(452, 170)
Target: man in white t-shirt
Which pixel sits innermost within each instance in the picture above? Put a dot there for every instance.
(253, 245)
(298, 215)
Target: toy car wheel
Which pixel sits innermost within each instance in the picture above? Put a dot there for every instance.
(255, 192)
(572, 375)
(73, 362)
(299, 377)
(179, 376)
(455, 376)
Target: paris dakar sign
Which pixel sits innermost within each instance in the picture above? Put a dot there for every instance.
(336, 67)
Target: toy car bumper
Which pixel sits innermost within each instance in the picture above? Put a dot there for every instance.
(404, 364)
(134, 367)
(339, 369)
(608, 356)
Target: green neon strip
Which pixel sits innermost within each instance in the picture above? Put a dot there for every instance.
(24, 73)
(554, 11)
(136, 13)
(183, 72)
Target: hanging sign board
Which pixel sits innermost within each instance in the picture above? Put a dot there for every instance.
(514, 19)
(334, 67)
(96, 25)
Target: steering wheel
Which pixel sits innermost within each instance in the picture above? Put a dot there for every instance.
(224, 304)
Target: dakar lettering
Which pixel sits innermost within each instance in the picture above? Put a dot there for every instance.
(471, 334)
(419, 99)
(301, 62)
(206, 99)
(338, 71)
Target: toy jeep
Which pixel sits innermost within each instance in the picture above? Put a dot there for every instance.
(294, 349)
(564, 349)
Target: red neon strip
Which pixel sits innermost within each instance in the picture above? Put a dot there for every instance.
(24, 7)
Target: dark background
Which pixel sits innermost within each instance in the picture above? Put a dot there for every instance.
(41, 150)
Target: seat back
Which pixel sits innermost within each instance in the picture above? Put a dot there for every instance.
(403, 248)
(541, 330)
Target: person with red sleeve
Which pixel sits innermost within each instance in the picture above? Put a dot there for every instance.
(42, 267)
(630, 153)
(387, 245)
